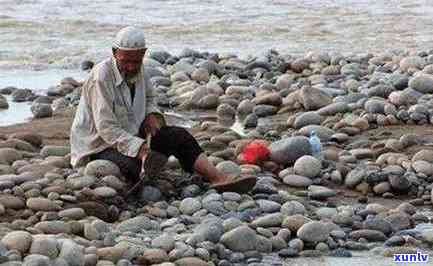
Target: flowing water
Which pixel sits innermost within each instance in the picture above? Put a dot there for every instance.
(46, 40)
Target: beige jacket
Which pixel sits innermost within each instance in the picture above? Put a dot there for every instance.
(106, 117)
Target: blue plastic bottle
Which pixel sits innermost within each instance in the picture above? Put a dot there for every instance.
(316, 145)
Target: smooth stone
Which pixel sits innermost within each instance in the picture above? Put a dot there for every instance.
(334, 108)
(42, 204)
(53, 227)
(307, 166)
(136, 225)
(165, 242)
(229, 168)
(313, 232)
(293, 207)
(371, 235)
(153, 256)
(18, 240)
(102, 168)
(313, 99)
(240, 239)
(297, 181)
(45, 246)
(306, 119)
(288, 150)
(41, 110)
(320, 192)
(105, 192)
(73, 213)
(269, 220)
(189, 206)
(422, 83)
(190, 261)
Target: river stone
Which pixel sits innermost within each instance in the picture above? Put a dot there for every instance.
(399, 221)
(114, 182)
(409, 62)
(73, 213)
(352, 69)
(52, 150)
(334, 108)
(209, 230)
(45, 246)
(105, 192)
(284, 81)
(378, 224)
(226, 111)
(136, 224)
(245, 107)
(209, 101)
(165, 242)
(19, 240)
(371, 235)
(101, 168)
(41, 110)
(324, 133)
(264, 110)
(320, 192)
(151, 257)
(21, 95)
(306, 119)
(314, 99)
(53, 227)
(81, 182)
(375, 106)
(399, 183)
(112, 254)
(423, 155)
(297, 181)
(381, 90)
(190, 261)
(307, 166)
(268, 206)
(287, 151)
(269, 220)
(292, 207)
(72, 253)
(422, 83)
(423, 167)
(251, 121)
(240, 239)
(9, 155)
(313, 232)
(42, 204)
(189, 206)
(12, 202)
(3, 102)
(355, 177)
(200, 75)
(229, 169)
(273, 99)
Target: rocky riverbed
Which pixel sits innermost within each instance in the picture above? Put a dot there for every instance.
(368, 193)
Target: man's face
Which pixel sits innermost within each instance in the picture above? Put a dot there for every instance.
(129, 62)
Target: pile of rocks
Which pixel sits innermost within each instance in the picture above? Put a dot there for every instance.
(55, 215)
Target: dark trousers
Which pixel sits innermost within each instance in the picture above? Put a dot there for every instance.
(169, 141)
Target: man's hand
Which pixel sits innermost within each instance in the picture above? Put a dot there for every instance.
(142, 153)
(152, 124)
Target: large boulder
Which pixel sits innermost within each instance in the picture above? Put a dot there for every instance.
(287, 151)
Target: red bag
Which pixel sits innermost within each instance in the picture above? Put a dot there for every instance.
(255, 151)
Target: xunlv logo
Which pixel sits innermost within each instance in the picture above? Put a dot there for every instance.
(418, 257)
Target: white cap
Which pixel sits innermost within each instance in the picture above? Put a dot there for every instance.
(130, 38)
